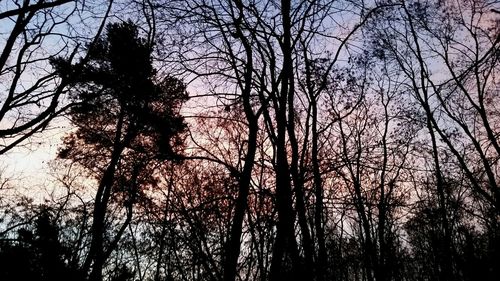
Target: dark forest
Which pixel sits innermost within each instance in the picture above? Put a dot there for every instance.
(226, 140)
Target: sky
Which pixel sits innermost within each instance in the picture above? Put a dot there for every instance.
(27, 166)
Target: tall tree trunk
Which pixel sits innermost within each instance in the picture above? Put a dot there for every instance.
(318, 193)
(96, 255)
(285, 246)
(233, 244)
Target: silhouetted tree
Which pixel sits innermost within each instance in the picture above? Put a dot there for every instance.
(449, 60)
(31, 94)
(37, 253)
(126, 119)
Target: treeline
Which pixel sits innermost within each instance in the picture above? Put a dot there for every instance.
(254, 140)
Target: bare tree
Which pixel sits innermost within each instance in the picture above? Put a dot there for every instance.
(446, 50)
(33, 32)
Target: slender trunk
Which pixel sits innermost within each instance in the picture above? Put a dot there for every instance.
(382, 271)
(318, 192)
(285, 262)
(161, 247)
(95, 256)
(444, 253)
(307, 243)
(233, 243)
